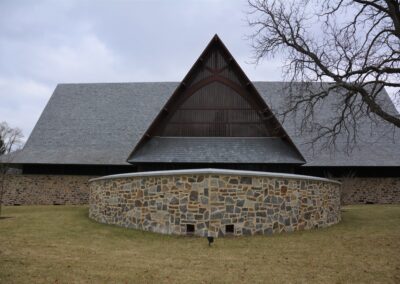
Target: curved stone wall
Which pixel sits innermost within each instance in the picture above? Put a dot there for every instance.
(215, 202)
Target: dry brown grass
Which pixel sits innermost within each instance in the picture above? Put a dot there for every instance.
(50, 244)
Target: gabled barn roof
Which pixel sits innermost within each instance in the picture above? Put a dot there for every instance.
(99, 124)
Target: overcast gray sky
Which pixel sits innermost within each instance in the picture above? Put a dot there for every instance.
(46, 42)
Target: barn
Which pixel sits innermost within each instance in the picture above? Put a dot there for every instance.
(214, 118)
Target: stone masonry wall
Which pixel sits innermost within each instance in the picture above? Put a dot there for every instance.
(370, 190)
(46, 189)
(69, 189)
(210, 204)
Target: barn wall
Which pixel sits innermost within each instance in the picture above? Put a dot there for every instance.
(370, 190)
(46, 189)
(74, 189)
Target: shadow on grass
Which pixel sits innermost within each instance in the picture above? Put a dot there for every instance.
(6, 217)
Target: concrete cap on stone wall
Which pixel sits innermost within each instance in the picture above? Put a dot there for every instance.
(216, 172)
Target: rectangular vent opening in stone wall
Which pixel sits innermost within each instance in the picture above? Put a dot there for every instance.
(229, 229)
(189, 229)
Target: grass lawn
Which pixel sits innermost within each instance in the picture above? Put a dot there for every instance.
(60, 244)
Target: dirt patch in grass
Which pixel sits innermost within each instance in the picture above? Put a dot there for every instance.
(47, 244)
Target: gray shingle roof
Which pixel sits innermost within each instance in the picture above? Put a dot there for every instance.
(94, 123)
(377, 144)
(102, 123)
(217, 150)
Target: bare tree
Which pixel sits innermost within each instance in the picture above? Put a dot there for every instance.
(354, 45)
(10, 141)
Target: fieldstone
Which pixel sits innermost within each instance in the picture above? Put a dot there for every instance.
(268, 199)
(217, 215)
(194, 195)
(214, 197)
(249, 193)
(233, 181)
(214, 182)
(200, 226)
(246, 232)
(174, 201)
(261, 214)
(229, 208)
(221, 183)
(229, 200)
(245, 180)
(258, 228)
(268, 231)
(248, 204)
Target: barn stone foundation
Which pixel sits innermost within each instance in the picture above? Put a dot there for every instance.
(370, 190)
(72, 189)
(45, 189)
(215, 202)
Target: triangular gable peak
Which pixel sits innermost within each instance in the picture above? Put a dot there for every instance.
(215, 99)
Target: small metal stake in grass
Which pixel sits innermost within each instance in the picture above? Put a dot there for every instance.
(210, 240)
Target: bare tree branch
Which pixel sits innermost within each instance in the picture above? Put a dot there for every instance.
(352, 44)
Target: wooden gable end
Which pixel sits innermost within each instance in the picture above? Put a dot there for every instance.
(215, 99)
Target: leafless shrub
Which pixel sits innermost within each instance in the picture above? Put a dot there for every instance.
(10, 142)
